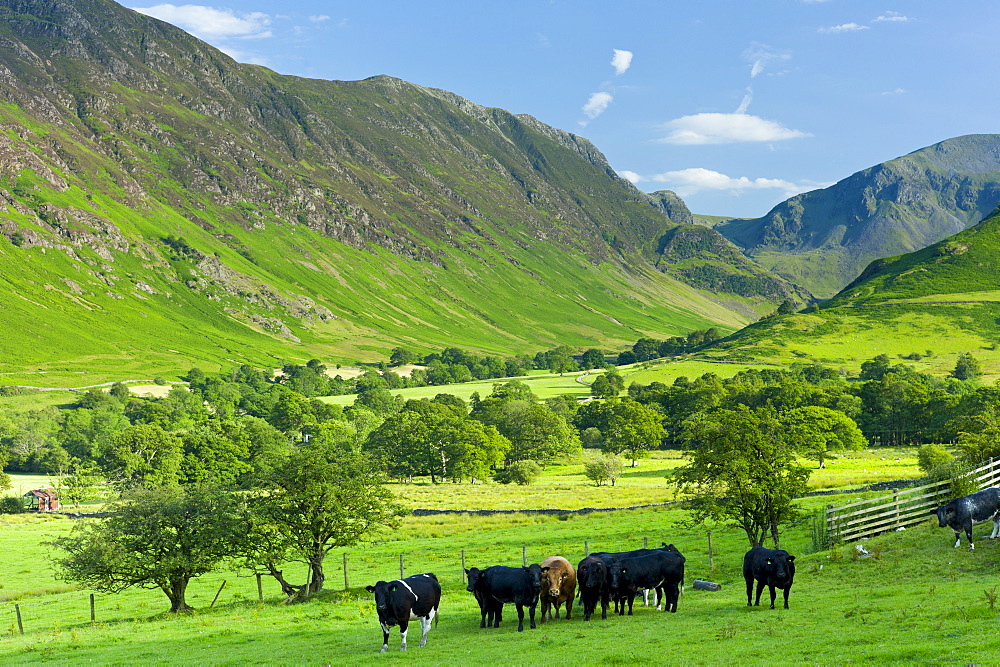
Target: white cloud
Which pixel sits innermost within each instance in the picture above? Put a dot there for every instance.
(209, 22)
(895, 17)
(319, 19)
(621, 61)
(596, 104)
(687, 182)
(897, 91)
(844, 27)
(725, 128)
(630, 176)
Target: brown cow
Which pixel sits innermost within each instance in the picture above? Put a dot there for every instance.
(558, 586)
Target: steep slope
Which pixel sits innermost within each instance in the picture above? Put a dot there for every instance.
(823, 239)
(152, 189)
(925, 307)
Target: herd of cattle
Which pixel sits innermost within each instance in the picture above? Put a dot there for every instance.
(602, 577)
(616, 577)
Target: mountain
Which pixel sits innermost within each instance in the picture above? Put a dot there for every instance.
(926, 307)
(823, 239)
(164, 205)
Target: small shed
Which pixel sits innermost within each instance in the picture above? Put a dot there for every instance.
(41, 500)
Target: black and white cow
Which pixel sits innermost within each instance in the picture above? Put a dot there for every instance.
(960, 514)
(403, 600)
(774, 568)
(499, 584)
(490, 610)
(593, 578)
(661, 571)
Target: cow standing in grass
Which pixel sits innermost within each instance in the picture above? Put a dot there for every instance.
(661, 571)
(594, 579)
(961, 513)
(773, 568)
(558, 586)
(500, 584)
(403, 600)
(490, 610)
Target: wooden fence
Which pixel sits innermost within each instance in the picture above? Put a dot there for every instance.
(902, 508)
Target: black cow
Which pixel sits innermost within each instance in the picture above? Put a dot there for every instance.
(403, 600)
(962, 512)
(661, 571)
(612, 557)
(774, 568)
(593, 577)
(490, 610)
(499, 584)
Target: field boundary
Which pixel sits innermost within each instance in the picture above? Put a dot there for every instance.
(903, 508)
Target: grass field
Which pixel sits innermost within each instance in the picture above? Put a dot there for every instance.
(887, 608)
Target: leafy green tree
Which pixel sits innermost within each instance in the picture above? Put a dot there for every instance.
(83, 432)
(82, 482)
(603, 469)
(522, 473)
(379, 400)
(632, 429)
(592, 358)
(817, 431)
(142, 455)
(153, 538)
(119, 391)
(645, 349)
(786, 307)
(933, 455)
(216, 453)
(967, 367)
(318, 499)
(875, 368)
(291, 413)
(742, 471)
(400, 356)
(601, 387)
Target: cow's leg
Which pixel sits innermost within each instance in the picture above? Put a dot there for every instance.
(760, 589)
(546, 609)
(531, 615)
(787, 591)
(385, 638)
(958, 539)
(403, 629)
(604, 606)
(774, 594)
(996, 528)
(645, 597)
(631, 599)
(557, 604)
(749, 591)
(425, 626)
(569, 606)
(520, 618)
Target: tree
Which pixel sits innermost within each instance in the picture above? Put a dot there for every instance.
(601, 387)
(742, 471)
(592, 358)
(319, 498)
(816, 431)
(81, 483)
(153, 538)
(632, 429)
(786, 307)
(601, 469)
(142, 455)
(967, 367)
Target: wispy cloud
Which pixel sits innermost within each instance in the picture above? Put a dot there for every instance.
(896, 91)
(894, 17)
(726, 128)
(844, 27)
(319, 18)
(687, 182)
(621, 61)
(596, 104)
(762, 55)
(630, 176)
(211, 23)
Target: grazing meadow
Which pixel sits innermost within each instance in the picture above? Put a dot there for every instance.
(911, 598)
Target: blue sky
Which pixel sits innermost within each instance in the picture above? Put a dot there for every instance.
(735, 105)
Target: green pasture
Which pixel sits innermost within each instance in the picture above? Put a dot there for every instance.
(914, 599)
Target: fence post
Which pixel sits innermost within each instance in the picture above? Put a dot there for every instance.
(20, 626)
(524, 556)
(586, 549)
(347, 582)
(895, 502)
(260, 588)
(217, 594)
(401, 566)
(464, 580)
(645, 542)
(711, 562)
(92, 616)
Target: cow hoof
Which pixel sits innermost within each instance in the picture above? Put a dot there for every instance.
(422, 644)
(520, 629)
(384, 649)
(403, 648)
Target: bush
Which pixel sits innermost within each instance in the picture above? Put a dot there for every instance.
(11, 505)
(519, 472)
(931, 456)
(601, 469)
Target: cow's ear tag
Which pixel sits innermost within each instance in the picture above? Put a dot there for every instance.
(791, 558)
(770, 562)
(393, 587)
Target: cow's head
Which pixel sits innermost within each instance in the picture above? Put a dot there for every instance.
(945, 514)
(534, 577)
(592, 573)
(619, 575)
(669, 547)
(780, 565)
(475, 576)
(382, 589)
(552, 580)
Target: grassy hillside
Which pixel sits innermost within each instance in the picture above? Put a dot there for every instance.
(163, 206)
(823, 239)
